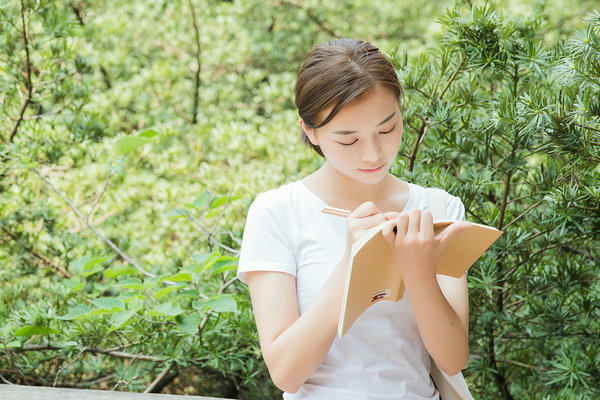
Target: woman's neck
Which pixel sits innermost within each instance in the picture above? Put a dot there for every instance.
(341, 191)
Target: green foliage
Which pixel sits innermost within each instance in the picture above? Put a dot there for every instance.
(137, 134)
(510, 125)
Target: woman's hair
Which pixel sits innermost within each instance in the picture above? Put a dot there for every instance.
(336, 73)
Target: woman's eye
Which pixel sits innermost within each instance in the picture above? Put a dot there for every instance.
(386, 132)
(348, 144)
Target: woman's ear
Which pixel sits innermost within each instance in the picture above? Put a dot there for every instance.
(310, 133)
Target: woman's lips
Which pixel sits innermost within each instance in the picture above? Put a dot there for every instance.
(372, 170)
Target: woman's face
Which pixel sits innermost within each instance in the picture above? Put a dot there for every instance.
(362, 140)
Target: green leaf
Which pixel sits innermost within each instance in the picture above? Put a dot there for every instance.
(201, 258)
(131, 283)
(114, 272)
(179, 277)
(190, 323)
(167, 309)
(176, 213)
(224, 264)
(193, 293)
(35, 330)
(217, 263)
(88, 266)
(164, 291)
(153, 283)
(222, 200)
(77, 312)
(14, 344)
(133, 301)
(201, 201)
(127, 144)
(73, 284)
(121, 318)
(218, 303)
(109, 303)
(148, 133)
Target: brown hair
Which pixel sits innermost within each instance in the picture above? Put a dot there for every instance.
(336, 73)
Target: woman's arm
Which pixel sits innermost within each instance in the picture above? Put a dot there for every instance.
(294, 345)
(440, 303)
(441, 309)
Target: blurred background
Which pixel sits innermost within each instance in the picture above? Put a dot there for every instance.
(134, 136)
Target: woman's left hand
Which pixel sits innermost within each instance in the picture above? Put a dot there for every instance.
(415, 245)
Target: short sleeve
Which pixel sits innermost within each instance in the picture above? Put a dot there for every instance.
(455, 210)
(267, 242)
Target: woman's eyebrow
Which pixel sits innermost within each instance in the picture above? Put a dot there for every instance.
(379, 124)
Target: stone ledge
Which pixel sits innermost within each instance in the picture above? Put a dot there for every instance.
(20, 392)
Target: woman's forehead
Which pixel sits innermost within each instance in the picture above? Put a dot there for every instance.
(373, 108)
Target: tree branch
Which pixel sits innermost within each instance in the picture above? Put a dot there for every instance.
(425, 124)
(92, 210)
(157, 383)
(120, 379)
(523, 213)
(452, 78)
(95, 350)
(312, 16)
(520, 364)
(5, 380)
(498, 304)
(507, 183)
(66, 366)
(53, 112)
(200, 226)
(93, 228)
(221, 214)
(12, 360)
(420, 134)
(13, 131)
(28, 85)
(38, 257)
(198, 55)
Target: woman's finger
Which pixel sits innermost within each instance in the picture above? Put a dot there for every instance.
(370, 221)
(414, 222)
(388, 231)
(391, 215)
(426, 224)
(365, 209)
(447, 234)
(401, 227)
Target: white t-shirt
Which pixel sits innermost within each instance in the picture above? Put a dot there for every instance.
(382, 355)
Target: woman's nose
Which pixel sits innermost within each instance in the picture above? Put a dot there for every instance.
(371, 151)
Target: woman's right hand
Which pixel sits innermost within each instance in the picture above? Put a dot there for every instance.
(363, 218)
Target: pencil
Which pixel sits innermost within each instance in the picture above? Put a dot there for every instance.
(336, 211)
(340, 212)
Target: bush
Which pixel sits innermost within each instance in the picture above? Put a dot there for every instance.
(137, 135)
(511, 126)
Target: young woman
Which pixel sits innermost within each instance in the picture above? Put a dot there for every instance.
(294, 258)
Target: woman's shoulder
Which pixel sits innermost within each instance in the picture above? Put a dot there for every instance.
(422, 191)
(419, 199)
(277, 198)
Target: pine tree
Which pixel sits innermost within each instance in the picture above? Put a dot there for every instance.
(511, 124)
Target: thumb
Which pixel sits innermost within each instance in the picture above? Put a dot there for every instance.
(449, 232)
(391, 215)
(388, 231)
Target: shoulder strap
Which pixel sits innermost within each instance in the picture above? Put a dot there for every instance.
(436, 202)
